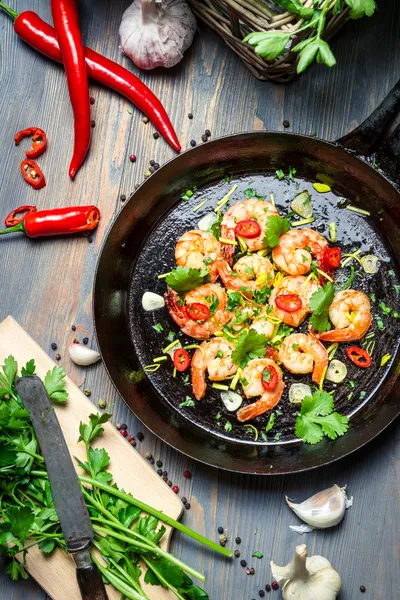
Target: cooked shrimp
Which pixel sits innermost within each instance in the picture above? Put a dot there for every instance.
(301, 354)
(210, 294)
(293, 255)
(198, 249)
(262, 324)
(252, 373)
(249, 273)
(252, 209)
(215, 356)
(350, 313)
(300, 286)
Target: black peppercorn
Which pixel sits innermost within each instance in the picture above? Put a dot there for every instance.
(267, 588)
(156, 166)
(170, 483)
(204, 138)
(220, 530)
(159, 472)
(124, 426)
(122, 197)
(243, 563)
(187, 505)
(85, 340)
(238, 540)
(193, 143)
(54, 346)
(286, 123)
(184, 500)
(237, 553)
(152, 163)
(363, 589)
(93, 123)
(156, 135)
(90, 239)
(261, 593)
(140, 436)
(208, 133)
(190, 115)
(73, 327)
(159, 464)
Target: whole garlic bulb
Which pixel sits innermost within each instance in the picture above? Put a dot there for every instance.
(305, 578)
(157, 34)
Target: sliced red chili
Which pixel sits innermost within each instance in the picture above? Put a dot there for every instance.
(358, 356)
(269, 378)
(11, 220)
(331, 259)
(32, 174)
(39, 141)
(248, 229)
(181, 359)
(198, 311)
(272, 353)
(289, 302)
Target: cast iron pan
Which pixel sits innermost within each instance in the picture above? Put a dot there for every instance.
(140, 245)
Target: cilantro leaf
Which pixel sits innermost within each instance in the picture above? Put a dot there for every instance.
(271, 422)
(29, 368)
(275, 226)
(10, 368)
(55, 384)
(257, 554)
(251, 193)
(359, 8)
(250, 345)
(335, 425)
(261, 296)
(184, 279)
(99, 459)
(90, 431)
(320, 302)
(215, 228)
(316, 419)
(319, 404)
(47, 545)
(308, 431)
(234, 300)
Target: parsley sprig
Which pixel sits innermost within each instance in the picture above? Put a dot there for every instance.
(184, 279)
(317, 419)
(320, 302)
(250, 345)
(275, 226)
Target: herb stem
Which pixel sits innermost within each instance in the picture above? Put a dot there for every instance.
(163, 581)
(118, 583)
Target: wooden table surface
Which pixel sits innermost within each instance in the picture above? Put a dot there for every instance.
(47, 285)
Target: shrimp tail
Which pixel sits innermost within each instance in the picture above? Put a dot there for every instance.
(199, 384)
(266, 402)
(228, 250)
(175, 309)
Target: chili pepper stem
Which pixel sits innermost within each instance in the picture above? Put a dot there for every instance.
(19, 227)
(12, 13)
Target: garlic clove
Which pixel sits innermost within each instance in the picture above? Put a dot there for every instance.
(82, 355)
(207, 221)
(152, 301)
(323, 510)
(232, 400)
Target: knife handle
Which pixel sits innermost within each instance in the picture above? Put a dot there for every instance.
(89, 579)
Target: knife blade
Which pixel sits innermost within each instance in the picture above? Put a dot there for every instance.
(67, 496)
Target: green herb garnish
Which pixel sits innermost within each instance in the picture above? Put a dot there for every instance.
(158, 327)
(271, 422)
(187, 402)
(275, 226)
(184, 279)
(257, 554)
(250, 345)
(317, 419)
(320, 302)
(228, 426)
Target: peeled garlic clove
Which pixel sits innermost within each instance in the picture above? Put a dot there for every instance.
(232, 400)
(207, 221)
(323, 510)
(82, 355)
(151, 301)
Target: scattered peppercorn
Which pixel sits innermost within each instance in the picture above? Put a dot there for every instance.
(102, 403)
(165, 473)
(151, 169)
(90, 239)
(220, 530)
(286, 123)
(208, 133)
(187, 475)
(151, 461)
(124, 426)
(204, 138)
(75, 341)
(222, 543)
(156, 135)
(165, 477)
(58, 356)
(169, 483)
(85, 340)
(145, 120)
(93, 123)
(159, 472)
(175, 489)
(88, 393)
(123, 432)
(130, 438)
(184, 499)
(118, 426)
(268, 587)
(152, 163)
(243, 563)
(137, 186)
(237, 553)
(238, 540)
(190, 115)
(132, 158)
(122, 197)
(132, 443)
(92, 100)
(363, 589)
(159, 463)
(156, 166)
(73, 327)
(275, 585)
(187, 505)
(54, 346)
(261, 593)
(252, 570)
(193, 143)
(148, 455)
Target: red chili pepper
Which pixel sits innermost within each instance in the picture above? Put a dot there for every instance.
(181, 359)
(32, 174)
(332, 258)
(269, 378)
(248, 229)
(11, 220)
(58, 221)
(198, 311)
(66, 24)
(41, 36)
(358, 356)
(39, 141)
(289, 302)
(272, 353)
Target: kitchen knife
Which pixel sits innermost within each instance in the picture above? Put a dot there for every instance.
(67, 496)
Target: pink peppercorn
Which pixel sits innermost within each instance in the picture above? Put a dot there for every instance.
(92, 100)
(124, 432)
(275, 585)
(132, 158)
(175, 489)
(187, 475)
(130, 438)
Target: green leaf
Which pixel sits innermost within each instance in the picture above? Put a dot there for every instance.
(10, 368)
(99, 459)
(308, 431)
(169, 571)
(16, 570)
(271, 422)
(187, 402)
(20, 519)
(47, 546)
(275, 226)
(93, 429)
(320, 302)
(361, 8)
(55, 385)
(184, 279)
(257, 554)
(316, 419)
(29, 368)
(307, 56)
(251, 193)
(261, 296)
(250, 345)
(319, 404)
(194, 592)
(326, 54)
(268, 44)
(335, 425)
(147, 526)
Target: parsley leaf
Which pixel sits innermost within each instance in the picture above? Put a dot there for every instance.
(316, 419)
(187, 402)
(10, 368)
(320, 302)
(55, 385)
(93, 429)
(215, 228)
(275, 226)
(361, 8)
(251, 193)
(29, 368)
(271, 422)
(250, 345)
(261, 296)
(184, 279)
(234, 299)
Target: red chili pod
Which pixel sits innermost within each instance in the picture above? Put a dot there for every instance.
(57, 221)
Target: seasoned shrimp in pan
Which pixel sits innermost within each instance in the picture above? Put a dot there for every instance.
(253, 386)
(214, 357)
(301, 354)
(350, 313)
(295, 251)
(198, 249)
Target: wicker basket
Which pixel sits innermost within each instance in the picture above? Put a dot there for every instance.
(234, 19)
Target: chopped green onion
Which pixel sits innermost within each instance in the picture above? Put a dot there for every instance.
(192, 346)
(350, 257)
(325, 275)
(171, 345)
(163, 275)
(174, 372)
(236, 378)
(271, 196)
(379, 323)
(196, 208)
(225, 199)
(242, 244)
(152, 368)
(321, 188)
(369, 263)
(219, 386)
(370, 347)
(385, 359)
(370, 335)
(228, 426)
(350, 280)
(361, 211)
(158, 327)
(302, 222)
(332, 231)
(252, 428)
(226, 241)
(350, 396)
(159, 359)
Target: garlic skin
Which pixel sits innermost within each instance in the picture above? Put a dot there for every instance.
(323, 510)
(157, 36)
(82, 355)
(305, 578)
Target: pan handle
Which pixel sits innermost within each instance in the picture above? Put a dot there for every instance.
(376, 135)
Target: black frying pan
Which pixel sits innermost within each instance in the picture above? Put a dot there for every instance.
(140, 245)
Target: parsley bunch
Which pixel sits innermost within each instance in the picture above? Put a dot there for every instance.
(317, 419)
(271, 44)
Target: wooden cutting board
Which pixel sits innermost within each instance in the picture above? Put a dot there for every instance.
(56, 573)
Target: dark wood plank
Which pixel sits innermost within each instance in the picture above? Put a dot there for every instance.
(46, 285)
